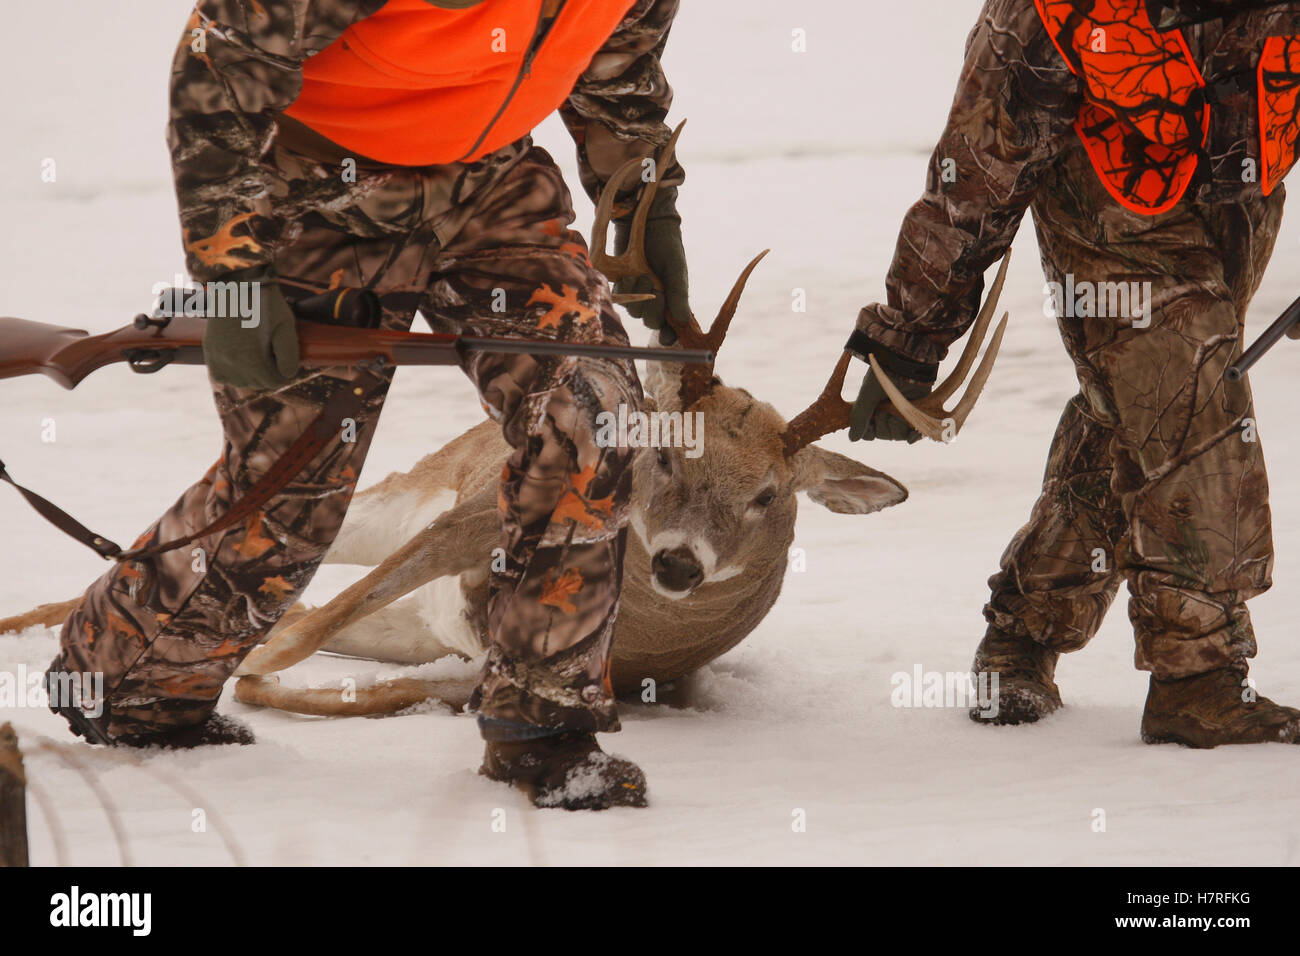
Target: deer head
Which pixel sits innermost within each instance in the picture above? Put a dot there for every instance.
(730, 508)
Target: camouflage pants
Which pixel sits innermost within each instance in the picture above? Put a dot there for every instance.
(1152, 478)
(482, 248)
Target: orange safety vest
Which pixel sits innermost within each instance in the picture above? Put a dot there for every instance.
(415, 84)
(1140, 123)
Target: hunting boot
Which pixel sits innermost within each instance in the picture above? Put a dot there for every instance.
(566, 770)
(217, 730)
(1217, 707)
(1025, 672)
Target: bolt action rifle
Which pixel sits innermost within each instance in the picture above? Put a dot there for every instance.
(335, 328)
(340, 327)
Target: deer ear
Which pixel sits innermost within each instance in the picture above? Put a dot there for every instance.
(843, 485)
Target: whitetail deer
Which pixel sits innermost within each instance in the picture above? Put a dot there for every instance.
(705, 560)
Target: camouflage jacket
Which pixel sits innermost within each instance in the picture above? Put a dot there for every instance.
(1011, 120)
(239, 65)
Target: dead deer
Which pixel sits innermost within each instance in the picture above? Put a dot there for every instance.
(705, 560)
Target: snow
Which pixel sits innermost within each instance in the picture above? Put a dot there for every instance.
(816, 155)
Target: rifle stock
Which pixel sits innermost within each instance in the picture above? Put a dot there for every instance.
(68, 355)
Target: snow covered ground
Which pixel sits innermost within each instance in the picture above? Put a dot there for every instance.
(814, 154)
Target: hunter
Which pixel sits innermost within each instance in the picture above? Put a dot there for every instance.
(320, 144)
(1150, 141)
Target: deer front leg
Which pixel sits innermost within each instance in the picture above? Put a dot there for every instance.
(448, 546)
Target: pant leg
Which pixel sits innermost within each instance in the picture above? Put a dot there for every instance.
(1191, 486)
(515, 269)
(1059, 574)
(167, 632)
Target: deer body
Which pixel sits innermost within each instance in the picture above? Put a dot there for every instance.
(705, 558)
(656, 637)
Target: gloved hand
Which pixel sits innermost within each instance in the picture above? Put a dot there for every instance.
(872, 416)
(264, 355)
(667, 257)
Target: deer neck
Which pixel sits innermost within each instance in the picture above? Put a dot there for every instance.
(663, 639)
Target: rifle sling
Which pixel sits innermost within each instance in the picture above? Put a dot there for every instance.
(345, 403)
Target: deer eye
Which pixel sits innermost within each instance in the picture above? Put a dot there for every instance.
(661, 456)
(765, 498)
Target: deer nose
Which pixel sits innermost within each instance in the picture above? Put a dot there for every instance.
(678, 569)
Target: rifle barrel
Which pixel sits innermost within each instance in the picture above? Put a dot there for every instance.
(472, 344)
(1266, 341)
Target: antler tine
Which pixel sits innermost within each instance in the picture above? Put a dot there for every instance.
(963, 409)
(928, 416)
(718, 330)
(945, 389)
(828, 414)
(697, 380)
(631, 261)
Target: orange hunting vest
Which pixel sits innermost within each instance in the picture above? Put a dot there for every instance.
(415, 85)
(1136, 122)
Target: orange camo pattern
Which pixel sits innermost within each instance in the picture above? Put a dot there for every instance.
(254, 543)
(578, 506)
(1137, 124)
(571, 244)
(558, 589)
(217, 250)
(1279, 108)
(562, 304)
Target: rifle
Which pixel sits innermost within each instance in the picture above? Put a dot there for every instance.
(334, 328)
(340, 327)
(1270, 337)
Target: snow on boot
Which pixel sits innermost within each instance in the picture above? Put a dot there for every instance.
(1025, 671)
(1217, 707)
(567, 770)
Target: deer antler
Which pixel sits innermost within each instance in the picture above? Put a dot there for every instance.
(830, 412)
(696, 379)
(827, 415)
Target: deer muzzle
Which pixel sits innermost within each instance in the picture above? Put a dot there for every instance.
(677, 570)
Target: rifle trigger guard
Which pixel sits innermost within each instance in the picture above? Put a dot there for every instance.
(148, 361)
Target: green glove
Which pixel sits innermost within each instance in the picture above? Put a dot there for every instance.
(262, 355)
(667, 257)
(871, 417)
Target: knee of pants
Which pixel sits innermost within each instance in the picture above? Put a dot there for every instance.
(574, 404)
(1165, 386)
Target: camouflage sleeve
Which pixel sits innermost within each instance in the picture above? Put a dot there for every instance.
(1015, 104)
(617, 109)
(238, 65)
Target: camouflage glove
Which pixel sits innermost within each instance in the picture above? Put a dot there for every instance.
(667, 257)
(872, 416)
(262, 355)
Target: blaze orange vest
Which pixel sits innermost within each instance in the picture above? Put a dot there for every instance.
(1143, 121)
(415, 85)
